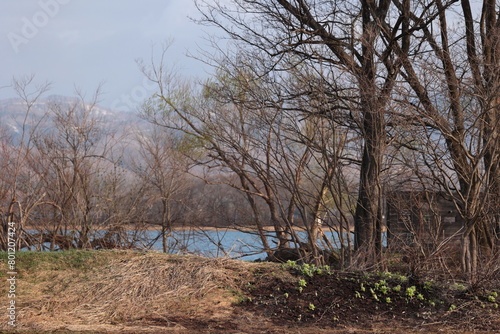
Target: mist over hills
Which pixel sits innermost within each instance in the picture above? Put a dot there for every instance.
(16, 115)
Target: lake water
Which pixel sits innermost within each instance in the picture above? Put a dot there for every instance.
(217, 243)
(222, 243)
(234, 244)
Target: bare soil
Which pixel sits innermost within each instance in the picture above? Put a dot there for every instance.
(137, 292)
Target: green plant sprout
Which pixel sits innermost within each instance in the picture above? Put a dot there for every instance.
(410, 292)
(384, 289)
(492, 297)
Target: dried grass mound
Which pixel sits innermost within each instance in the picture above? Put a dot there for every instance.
(126, 287)
(151, 284)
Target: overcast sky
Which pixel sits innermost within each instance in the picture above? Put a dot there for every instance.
(85, 42)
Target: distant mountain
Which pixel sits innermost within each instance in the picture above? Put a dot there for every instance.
(14, 114)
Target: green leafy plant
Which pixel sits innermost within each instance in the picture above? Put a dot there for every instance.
(302, 284)
(411, 291)
(374, 294)
(307, 270)
(428, 285)
(393, 276)
(384, 289)
(289, 265)
(310, 270)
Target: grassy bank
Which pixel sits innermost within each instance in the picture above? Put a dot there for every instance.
(149, 292)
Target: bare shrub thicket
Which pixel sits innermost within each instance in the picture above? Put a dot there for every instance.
(399, 76)
(64, 186)
(73, 181)
(318, 115)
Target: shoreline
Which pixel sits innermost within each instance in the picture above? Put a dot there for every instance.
(268, 228)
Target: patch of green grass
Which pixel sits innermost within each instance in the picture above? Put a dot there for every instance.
(82, 260)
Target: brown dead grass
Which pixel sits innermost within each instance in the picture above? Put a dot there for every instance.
(127, 288)
(135, 288)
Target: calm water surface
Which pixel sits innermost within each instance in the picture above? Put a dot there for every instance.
(222, 243)
(235, 244)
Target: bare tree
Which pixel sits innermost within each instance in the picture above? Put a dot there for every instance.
(348, 39)
(69, 156)
(245, 129)
(163, 168)
(228, 137)
(22, 189)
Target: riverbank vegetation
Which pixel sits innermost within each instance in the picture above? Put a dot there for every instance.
(316, 116)
(84, 291)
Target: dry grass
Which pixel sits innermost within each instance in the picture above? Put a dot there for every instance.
(144, 285)
(125, 287)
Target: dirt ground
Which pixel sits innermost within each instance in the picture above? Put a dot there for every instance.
(136, 292)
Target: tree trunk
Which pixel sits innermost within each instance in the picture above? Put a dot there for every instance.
(367, 220)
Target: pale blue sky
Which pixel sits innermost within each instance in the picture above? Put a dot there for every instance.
(85, 42)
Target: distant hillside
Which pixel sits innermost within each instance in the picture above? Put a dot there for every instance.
(13, 114)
